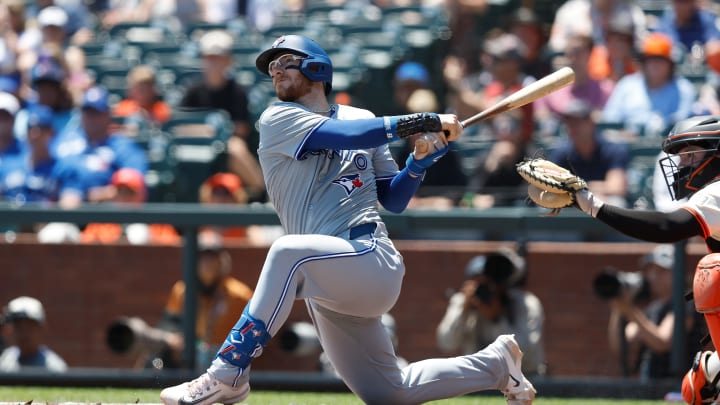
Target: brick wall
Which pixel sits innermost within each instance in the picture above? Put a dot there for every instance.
(84, 287)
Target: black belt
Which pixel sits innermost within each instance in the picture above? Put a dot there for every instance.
(362, 230)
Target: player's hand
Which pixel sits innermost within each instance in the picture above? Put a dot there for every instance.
(431, 147)
(451, 126)
(428, 143)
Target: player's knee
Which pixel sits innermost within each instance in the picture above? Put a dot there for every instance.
(378, 397)
(706, 284)
(386, 395)
(695, 387)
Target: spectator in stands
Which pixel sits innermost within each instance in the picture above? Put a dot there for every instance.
(615, 56)
(654, 98)
(218, 89)
(52, 21)
(9, 39)
(26, 317)
(603, 164)
(104, 152)
(593, 91)
(129, 189)
(78, 26)
(592, 17)
(490, 303)
(34, 175)
(9, 146)
(647, 327)
(143, 101)
(408, 77)
(502, 75)
(526, 25)
(494, 181)
(220, 297)
(689, 24)
(227, 188)
(119, 11)
(48, 79)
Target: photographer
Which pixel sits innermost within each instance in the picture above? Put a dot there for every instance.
(220, 298)
(26, 320)
(490, 303)
(644, 332)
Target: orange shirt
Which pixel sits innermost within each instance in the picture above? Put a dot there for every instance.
(216, 315)
(111, 233)
(599, 66)
(160, 111)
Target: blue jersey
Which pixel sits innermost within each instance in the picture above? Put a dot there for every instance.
(22, 181)
(96, 164)
(12, 151)
(69, 139)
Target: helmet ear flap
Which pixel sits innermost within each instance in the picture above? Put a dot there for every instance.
(314, 70)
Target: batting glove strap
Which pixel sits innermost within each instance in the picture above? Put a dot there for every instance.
(417, 167)
(403, 126)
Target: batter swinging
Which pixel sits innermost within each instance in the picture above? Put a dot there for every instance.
(326, 168)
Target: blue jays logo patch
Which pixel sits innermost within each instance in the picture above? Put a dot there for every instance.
(278, 41)
(349, 182)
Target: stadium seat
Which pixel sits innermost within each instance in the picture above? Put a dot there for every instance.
(196, 148)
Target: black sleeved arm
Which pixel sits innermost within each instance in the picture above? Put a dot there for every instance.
(651, 226)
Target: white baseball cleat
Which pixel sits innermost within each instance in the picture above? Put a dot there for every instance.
(519, 391)
(204, 390)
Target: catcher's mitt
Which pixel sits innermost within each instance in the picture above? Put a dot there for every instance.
(551, 186)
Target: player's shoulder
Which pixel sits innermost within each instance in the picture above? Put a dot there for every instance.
(281, 111)
(350, 112)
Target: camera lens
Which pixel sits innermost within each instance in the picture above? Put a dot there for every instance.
(607, 285)
(484, 293)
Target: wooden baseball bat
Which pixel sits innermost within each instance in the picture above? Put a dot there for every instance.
(533, 91)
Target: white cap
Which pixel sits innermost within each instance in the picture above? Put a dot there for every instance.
(52, 15)
(662, 255)
(9, 103)
(25, 308)
(216, 42)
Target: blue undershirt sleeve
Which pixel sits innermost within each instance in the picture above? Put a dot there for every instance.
(351, 134)
(395, 194)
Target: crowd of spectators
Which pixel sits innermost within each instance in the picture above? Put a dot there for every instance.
(64, 133)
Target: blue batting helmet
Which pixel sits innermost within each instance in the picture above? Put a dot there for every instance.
(316, 66)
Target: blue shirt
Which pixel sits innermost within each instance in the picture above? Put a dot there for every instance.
(701, 28)
(21, 181)
(638, 107)
(69, 139)
(13, 150)
(607, 156)
(97, 163)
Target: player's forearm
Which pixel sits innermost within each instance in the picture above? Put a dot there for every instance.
(369, 132)
(651, 226)
(395, 194)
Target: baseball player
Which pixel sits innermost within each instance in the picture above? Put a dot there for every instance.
(691, 170)
(326, 168)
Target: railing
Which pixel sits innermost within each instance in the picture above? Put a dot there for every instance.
(521, 222)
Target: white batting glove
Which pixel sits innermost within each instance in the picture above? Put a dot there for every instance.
(588, 203)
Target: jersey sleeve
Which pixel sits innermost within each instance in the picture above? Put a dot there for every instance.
(284, 128)
(705, 207)
(384, 164)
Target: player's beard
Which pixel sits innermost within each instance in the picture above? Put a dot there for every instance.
(294, 90)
